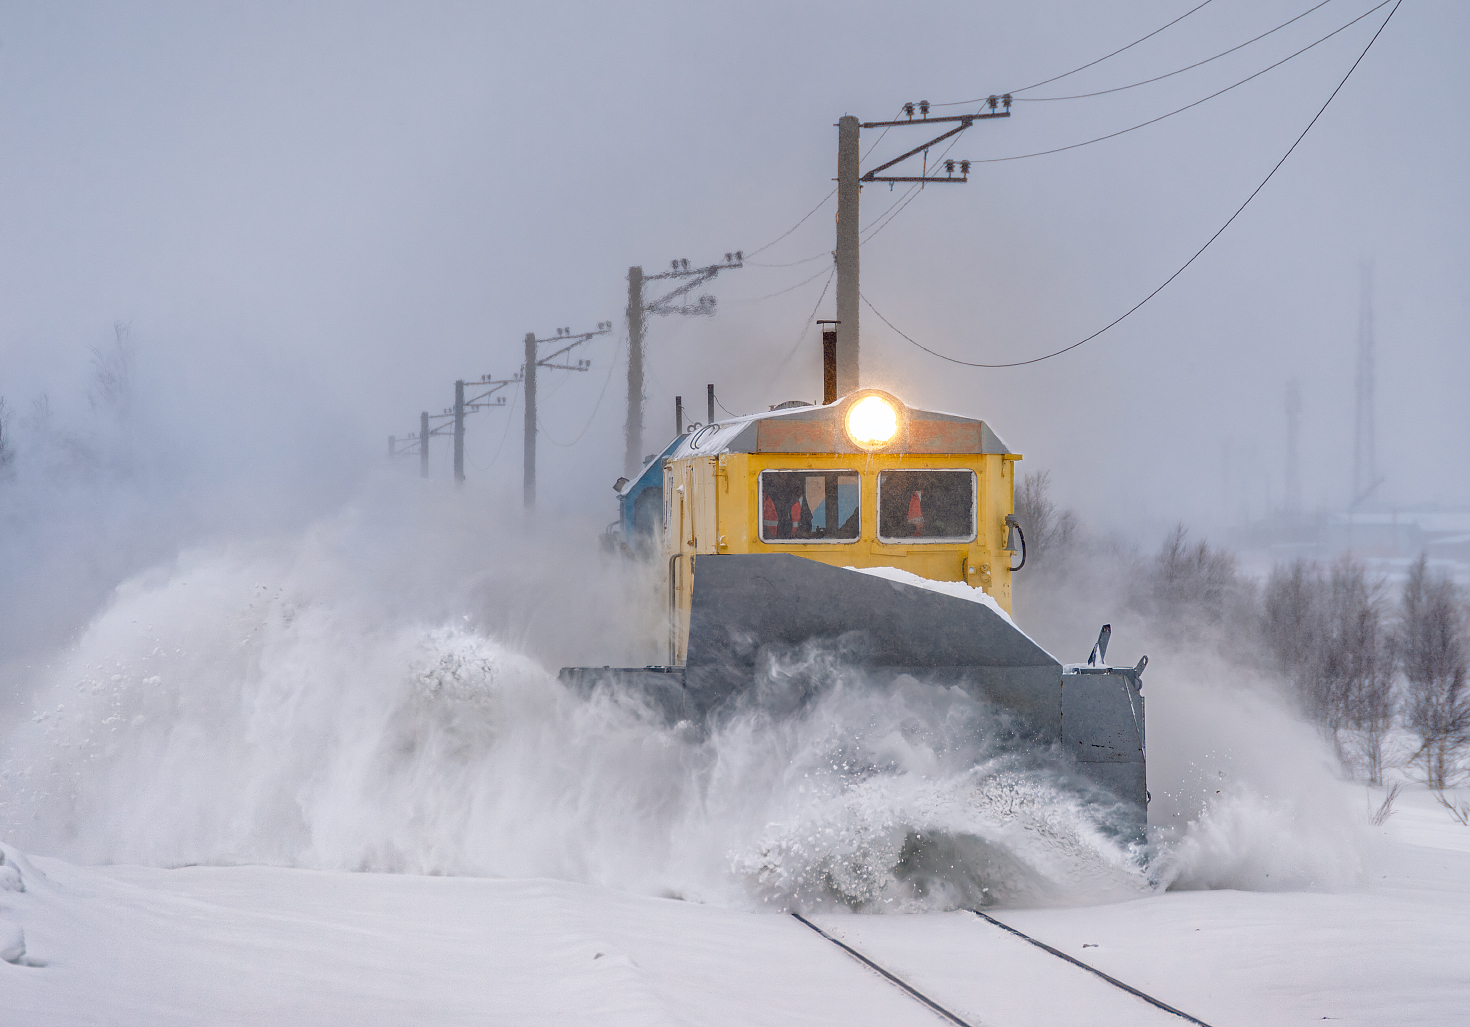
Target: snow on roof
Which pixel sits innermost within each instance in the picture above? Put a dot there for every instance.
(738, 434)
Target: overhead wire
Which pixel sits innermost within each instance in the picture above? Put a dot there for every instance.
(798, 224)
(509, 418)
(1191, 260)
(1181, 110)
(814, 210)
(782, 292)
(803, 260)
(1191, 67)
(723, 407)
(611, 366)
(912, 196)
(1056, 78)
(804, 329)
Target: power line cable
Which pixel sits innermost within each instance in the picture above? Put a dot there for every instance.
(803, 260)
(901, 197)
(782, 292)
(913, 196)
(1160, 78)
(725, 408)
(611, 366)
(816, 208)
(1181, 110)
(805, 328)
(797, 225)
(1191, 260)
(1055, 78)
(509, 418)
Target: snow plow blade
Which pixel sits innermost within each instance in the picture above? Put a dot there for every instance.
(750, 610)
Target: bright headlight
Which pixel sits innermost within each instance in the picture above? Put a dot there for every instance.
(872, 421)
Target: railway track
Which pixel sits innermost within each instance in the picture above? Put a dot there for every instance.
(954, 1018)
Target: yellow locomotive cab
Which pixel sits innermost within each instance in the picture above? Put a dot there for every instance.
(866, 482)
(880, 536)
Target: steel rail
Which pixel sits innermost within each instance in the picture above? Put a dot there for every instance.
(908, 988)
(1092, 970)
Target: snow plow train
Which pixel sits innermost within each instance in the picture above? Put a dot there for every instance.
(884, 531)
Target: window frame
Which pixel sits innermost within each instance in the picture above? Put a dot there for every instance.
(760, 505)
(947, 540)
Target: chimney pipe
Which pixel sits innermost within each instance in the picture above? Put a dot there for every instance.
(829, 363)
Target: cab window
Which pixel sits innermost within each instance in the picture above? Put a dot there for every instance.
(809, 506)
(926, 506)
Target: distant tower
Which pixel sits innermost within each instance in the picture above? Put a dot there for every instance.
(1293, 465)
(1365, 455)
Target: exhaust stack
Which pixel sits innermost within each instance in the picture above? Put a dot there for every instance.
(829, 362)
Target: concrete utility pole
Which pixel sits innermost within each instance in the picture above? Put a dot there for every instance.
(1293, 432)
(459, 433)
(849, 183)
(847, 254)
(678, 415)
(664, 305)
(424, 444)
(571, 340)
(528, 477)
(710, 398)
(1365, 450)
(633, 430)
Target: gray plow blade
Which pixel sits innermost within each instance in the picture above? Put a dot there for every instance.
(750, 609)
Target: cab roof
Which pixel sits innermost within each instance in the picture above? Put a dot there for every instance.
(817, 429)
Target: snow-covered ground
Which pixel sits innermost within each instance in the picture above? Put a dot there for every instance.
(124, 945)
(276, 784)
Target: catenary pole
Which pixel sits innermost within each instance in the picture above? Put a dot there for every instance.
(424, 444)
(633, 456)
(528, 483)
(848, 188)
(459, 432)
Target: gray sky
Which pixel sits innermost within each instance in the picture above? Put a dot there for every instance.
(316, 216)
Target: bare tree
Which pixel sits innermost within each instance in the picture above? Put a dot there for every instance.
(1049, 531)
(112, 370)
(1328, 635)
(1295, 627)
(1432, 643)
(1185, 584)
(1358, 665)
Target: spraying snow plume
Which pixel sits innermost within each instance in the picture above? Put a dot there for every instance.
(254, 706)
(336, 701)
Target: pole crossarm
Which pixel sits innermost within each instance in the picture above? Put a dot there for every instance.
(697, 276)
(914, 178)
(965, 121)
(935, 121)
(709, 270)
(496, 386)
(572, 341)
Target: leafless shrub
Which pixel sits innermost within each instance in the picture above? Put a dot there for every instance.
(1432, 643)
(1383, 812)
(1194, 589)
(1050, 532)
(1328, 635)
(112, 370)
(1459, 808)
